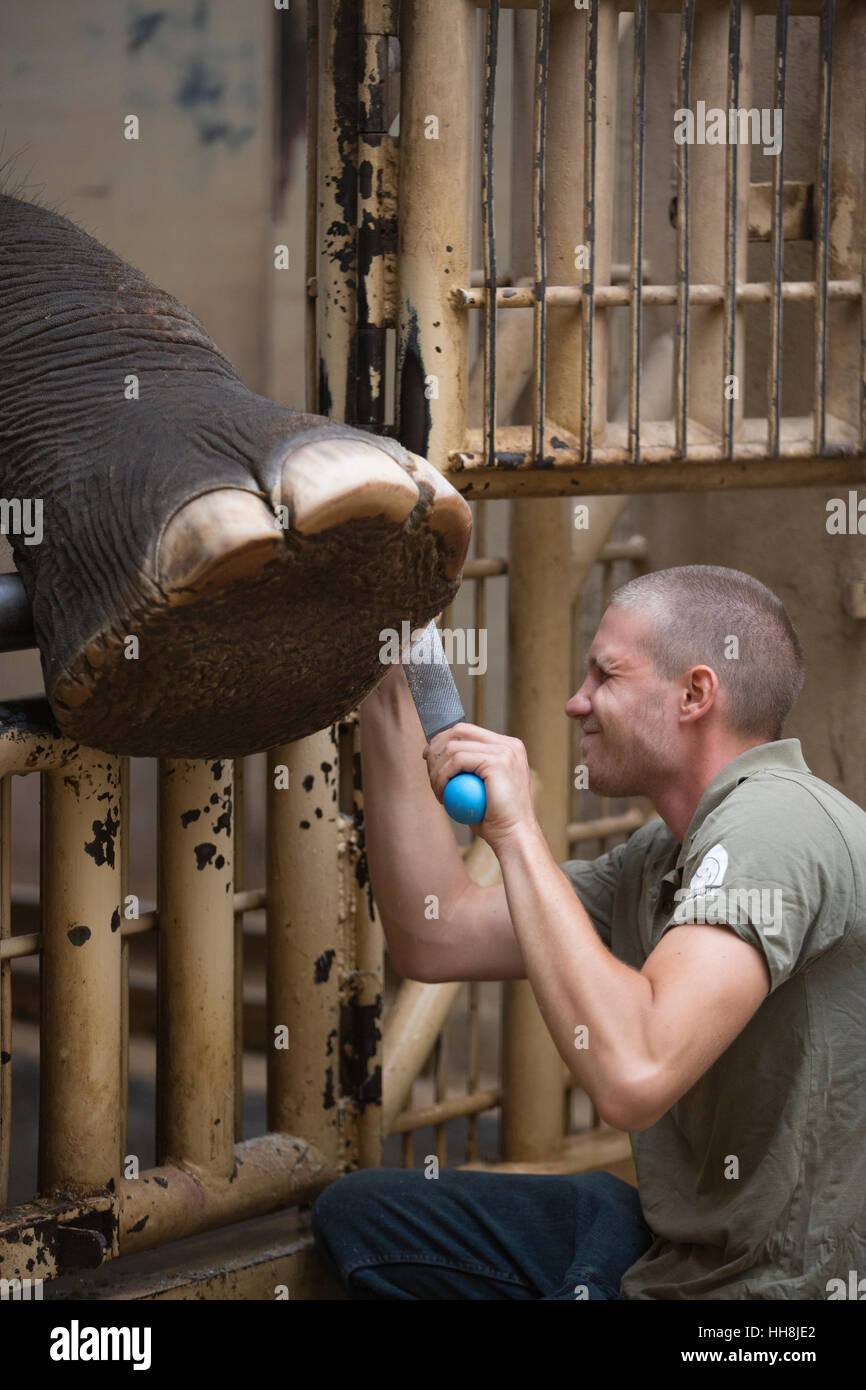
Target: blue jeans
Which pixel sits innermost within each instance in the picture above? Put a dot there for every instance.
(394, 1233)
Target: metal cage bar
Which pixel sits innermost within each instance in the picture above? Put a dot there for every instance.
(845, 238)
(365, 989)
(731, 375)
(637, 191)
(861, 411)
(589, 228)
(124, 955)
(5, 993)
(488, 231)
(79, 1125)
(304, 962)
(539, 320)
(774, 365)
(238, 858)
(195, 1053)
(564, 233)
(822, 225)
(681, 386)
(376, 213)
(437, 66)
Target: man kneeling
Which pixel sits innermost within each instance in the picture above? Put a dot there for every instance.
(711, 970)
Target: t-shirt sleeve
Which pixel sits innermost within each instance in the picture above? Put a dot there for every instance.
(595, 882)
(772, 865)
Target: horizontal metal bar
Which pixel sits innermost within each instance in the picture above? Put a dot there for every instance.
(30, 740)
(580, 831)
(30, 943)
(798, 7)
(449, 1109)
(250, 900)
(16, 616)
(615, 296)
(617, 476)
(489, 567)
(484, 568)
(635, 548)
(514, 447)
(620, 271)
(27, 944)
(168, 1203)
(46, 1238)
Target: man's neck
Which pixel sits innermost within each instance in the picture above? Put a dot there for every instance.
(677, 800)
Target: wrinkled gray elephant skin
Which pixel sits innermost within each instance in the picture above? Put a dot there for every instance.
(213, 570)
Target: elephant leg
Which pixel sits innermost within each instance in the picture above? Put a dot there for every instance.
(214, 570)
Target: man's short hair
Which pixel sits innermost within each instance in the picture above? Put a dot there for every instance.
(696, 613)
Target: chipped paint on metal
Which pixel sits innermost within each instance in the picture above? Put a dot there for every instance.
(322, 968)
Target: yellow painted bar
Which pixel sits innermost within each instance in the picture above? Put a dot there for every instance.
(195, 1053)
(168, 1203)
(303, 958)
(80, 1059)
(438, 47)
(5, 994)
(366, 987)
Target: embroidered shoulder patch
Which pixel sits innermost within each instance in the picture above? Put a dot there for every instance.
(711, 870)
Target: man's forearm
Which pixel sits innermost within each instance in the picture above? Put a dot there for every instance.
(411, 849)
(586, 996)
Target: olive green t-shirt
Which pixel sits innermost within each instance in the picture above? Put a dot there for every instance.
(754, 1182)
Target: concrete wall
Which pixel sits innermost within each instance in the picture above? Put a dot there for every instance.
(189, 201)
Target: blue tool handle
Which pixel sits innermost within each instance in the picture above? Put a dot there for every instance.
(465, 798)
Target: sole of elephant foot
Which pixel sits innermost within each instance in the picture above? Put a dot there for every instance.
(266, 622)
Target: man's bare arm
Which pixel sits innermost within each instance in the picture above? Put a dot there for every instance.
(412, 854)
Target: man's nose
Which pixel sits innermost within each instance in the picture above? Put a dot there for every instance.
(579, 705)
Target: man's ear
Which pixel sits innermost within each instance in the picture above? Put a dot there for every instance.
(699, 692)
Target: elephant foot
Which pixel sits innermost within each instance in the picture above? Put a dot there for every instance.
(264, 623)
(213, 571)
